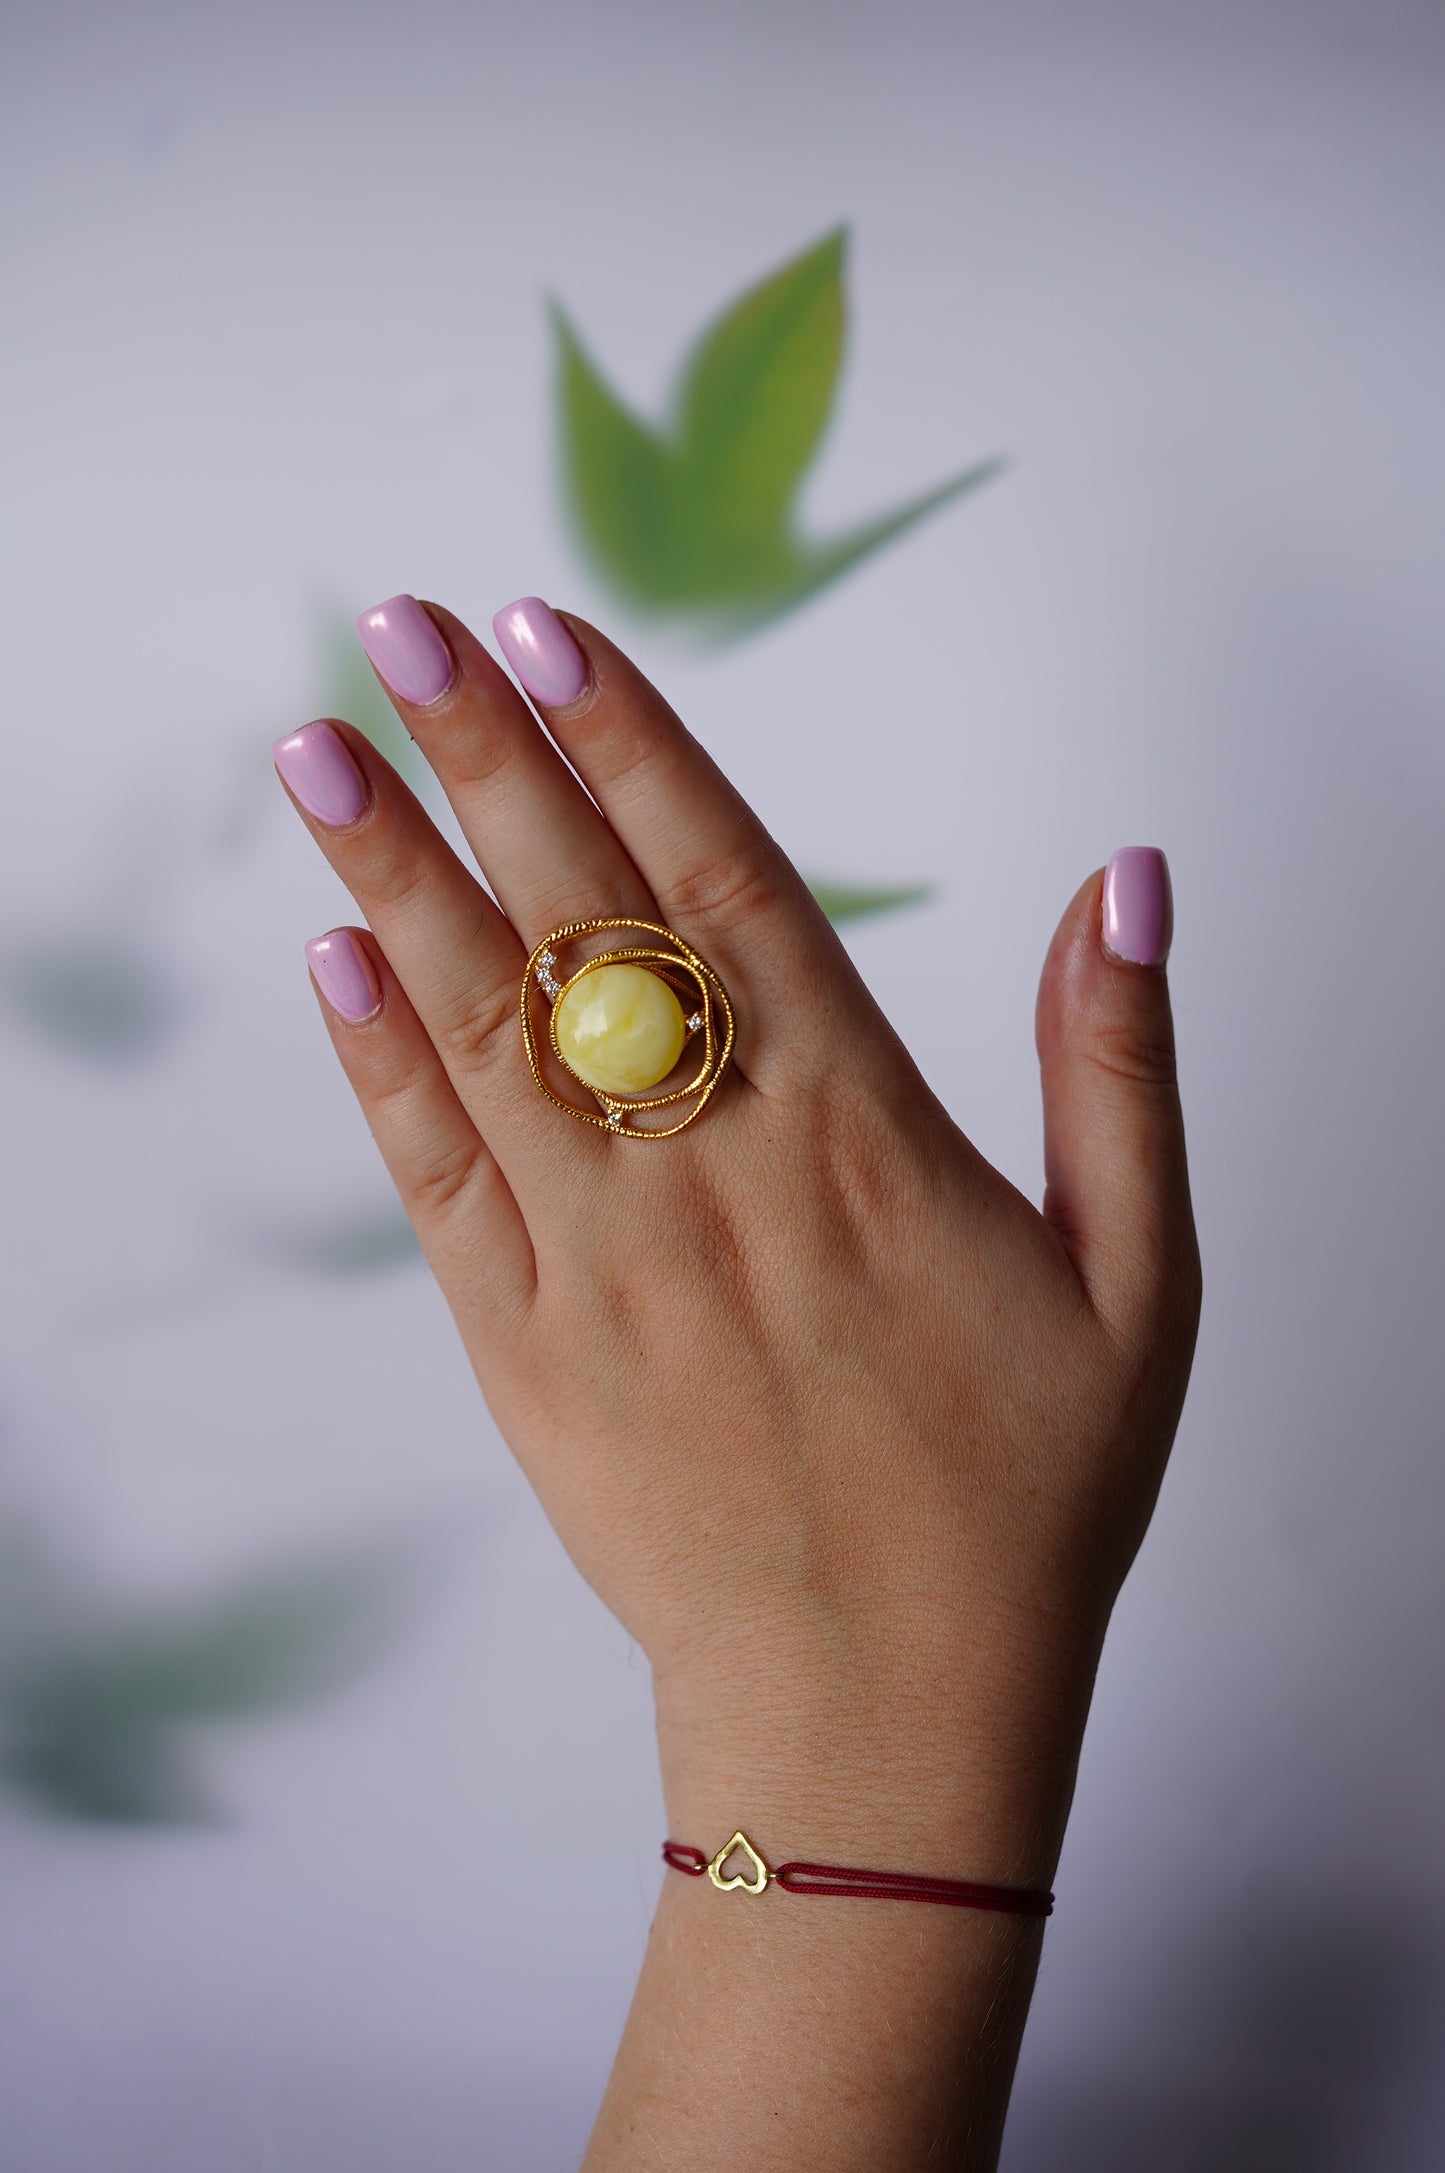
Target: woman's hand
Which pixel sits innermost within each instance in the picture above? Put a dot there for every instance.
(855, 1441)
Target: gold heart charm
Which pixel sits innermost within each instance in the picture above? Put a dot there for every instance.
(753, 1885)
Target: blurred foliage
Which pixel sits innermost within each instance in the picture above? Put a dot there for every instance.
(696, 518)
(102, 997)
(842, 902)
(99, 1696)
(353, 1245)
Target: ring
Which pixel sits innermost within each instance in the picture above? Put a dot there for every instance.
(618, 1027)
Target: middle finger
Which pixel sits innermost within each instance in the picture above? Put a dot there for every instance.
(544, 846)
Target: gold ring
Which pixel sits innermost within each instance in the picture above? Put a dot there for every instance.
(618, 1027)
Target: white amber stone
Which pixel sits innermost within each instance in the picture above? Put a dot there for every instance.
(620, 1029)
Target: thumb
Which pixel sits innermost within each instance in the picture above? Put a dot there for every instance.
(1116, 1178)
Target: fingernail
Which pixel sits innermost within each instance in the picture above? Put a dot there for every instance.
(344, 974)
(541, 652)
(319, 767)
(1138, 906)
(404, 645)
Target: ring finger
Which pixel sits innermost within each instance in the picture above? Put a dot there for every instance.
(449, 945)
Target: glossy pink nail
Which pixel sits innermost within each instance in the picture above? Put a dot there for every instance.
(406, 648)
(344, 974)
(1138, 906)
(318, 766)
(541, 652)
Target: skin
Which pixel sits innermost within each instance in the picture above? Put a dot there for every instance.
(856, 1442)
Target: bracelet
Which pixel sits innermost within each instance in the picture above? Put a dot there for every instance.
(840, 1879)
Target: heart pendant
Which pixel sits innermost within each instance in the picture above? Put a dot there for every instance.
(760, 1872)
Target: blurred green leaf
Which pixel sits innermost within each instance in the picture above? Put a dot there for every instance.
(79, 1768)
(351, 690)
(753, 405)
(844, 902)
(364, 1244)
(816, 566)
(97, 1700)
(698, 519)
(620, 477)
(281, 1636)
(99, 997)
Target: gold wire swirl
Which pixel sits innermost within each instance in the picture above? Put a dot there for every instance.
(683, 969)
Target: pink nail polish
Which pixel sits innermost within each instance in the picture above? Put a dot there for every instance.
(541, 652)
(1138, 906)
(344, 974)
(406, 648)
(318, 766)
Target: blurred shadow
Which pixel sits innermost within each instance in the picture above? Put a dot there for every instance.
(102, 1694)
(1293, 2029)
(103, 999)
(262, 2111)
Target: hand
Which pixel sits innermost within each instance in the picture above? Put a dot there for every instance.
(847, 1433)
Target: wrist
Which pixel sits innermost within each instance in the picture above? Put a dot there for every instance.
(929, 1752)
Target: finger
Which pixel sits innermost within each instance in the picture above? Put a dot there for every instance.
(447, 941)
(459, 1203)
(540, 839)
(718, 877)
(1117, 1181)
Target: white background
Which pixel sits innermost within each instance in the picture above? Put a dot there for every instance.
(273, 287)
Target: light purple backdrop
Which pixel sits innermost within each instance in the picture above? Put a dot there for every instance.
(275, 344)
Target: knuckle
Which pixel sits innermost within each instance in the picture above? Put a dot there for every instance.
(476, 1030)
(394, 878)
(595, 900)
(623, 754)
(1136, 1050)
(733, 887)
(435, 1175)
(447, 1179)
(480, 760)
(391, 1099)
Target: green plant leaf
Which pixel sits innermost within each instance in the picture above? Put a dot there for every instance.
(818, 566)
(80, 1769)
(101, 997)
(851, 902)
(98, 1701)
(620, 477)
(275, 1639)
(697, 519)
(362, 1244)
(755, 399)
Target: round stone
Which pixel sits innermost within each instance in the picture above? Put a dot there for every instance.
(620, 1029)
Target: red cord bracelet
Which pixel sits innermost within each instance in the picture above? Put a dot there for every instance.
(841, 1879)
